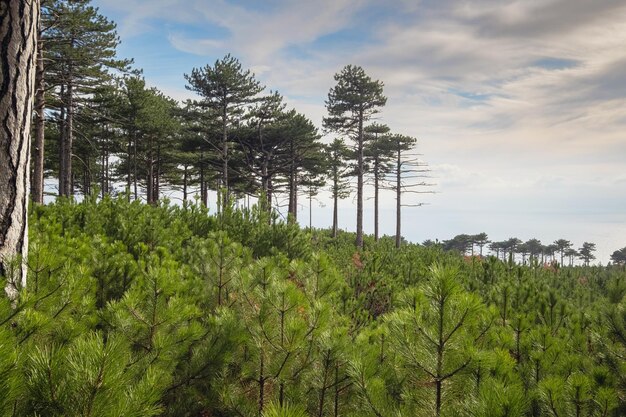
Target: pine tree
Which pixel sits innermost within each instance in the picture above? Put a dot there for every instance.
(352, 103)
(434, 337)
(378, 156)
(264, 142)
(81, 51)
(408, 172)
(585, 252)
(226, 89)
(302, 157)
(150, 125)
(337, 156)
(562, 246)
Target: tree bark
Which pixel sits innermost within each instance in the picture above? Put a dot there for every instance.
(62, 132)
(67, 190)
(135, 192)
(157, 184)
(18, 47)
(225, 154)
(359, 197)
(185, 184)
(37, 184)
(293, 209)
(376, 199)
(150, 176)
(335, 213)
(398, 200)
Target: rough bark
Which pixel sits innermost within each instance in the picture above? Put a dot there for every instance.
(18, 47)
(39, 126)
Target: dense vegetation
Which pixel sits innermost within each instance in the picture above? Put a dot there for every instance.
(139, 310)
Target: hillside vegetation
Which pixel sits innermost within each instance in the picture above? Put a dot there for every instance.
(141, 310)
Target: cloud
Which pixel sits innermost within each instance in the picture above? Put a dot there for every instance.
(206, 47)
(538, 18)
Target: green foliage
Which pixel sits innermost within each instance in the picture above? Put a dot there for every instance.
(143, 310)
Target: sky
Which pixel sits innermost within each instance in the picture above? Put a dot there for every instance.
(519, 106)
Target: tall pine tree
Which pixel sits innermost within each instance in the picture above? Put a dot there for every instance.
(351, 103)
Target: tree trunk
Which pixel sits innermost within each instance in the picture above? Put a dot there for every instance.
(335, 214)
(150, 179)
(62, 132)
(293, 209)
(18, 46)
(37, 184)
(376, 199)
(185, 184)
(265, 188)
(135, 165)
(398, 200)
(310, 208)
(87, 178)
(269, 193)
(203, 192)
(359, 197)
(68, 142)
(225, 155)
(157, 182)
(104, 181)
(129, 169)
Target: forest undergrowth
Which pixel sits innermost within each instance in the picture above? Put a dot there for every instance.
(162, 310)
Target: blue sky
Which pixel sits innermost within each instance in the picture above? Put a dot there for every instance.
(519, 105)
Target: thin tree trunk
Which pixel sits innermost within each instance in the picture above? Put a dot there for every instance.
(310, 209)
(376, 199)
(150, 179)
(440, 354)
(185, 184)
(37, 184)
(62, 141)
(270, 194)
(69, 139)
(293, 210)
(157, 184)
(18, 47)
(135, 165)
(295, 198)
(87, 178)
(398, 201)
(104, 182)
(265, 187)
(359, 197)
(225, 155)
(129, 168)
(69, 136)
(203, 192)
(335, 213)
(261, 385)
